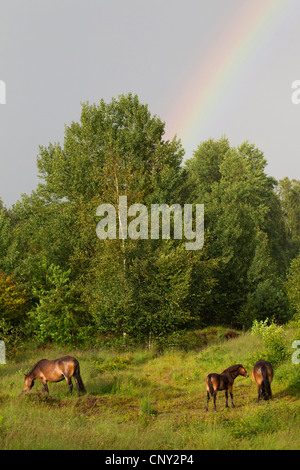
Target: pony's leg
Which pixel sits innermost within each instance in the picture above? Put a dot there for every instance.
(226, 398)
(77, 386)
(259, 394)
(231, 396)
(70, 383)
(45, 386)
(207, 400)
(215, 398)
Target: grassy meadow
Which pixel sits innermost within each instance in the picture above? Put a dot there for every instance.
(142, 399)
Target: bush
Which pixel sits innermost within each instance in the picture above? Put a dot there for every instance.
(12, 300)
(184, 339)
(275, 344)
(268, 300)
(58, 316)
(13, 319)
(146, 406)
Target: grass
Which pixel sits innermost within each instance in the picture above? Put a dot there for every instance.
(145, 400)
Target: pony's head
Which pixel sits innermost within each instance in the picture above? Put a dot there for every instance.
(29, 383)
(242, 371)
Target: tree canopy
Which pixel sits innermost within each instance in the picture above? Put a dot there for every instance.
(78, 286)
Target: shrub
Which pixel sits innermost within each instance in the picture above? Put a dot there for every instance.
(267, 300)
(275, 344)
(13, 319)
(117, 363)
(146, 406)
(184, 339)
(12, 300)
(58, 316)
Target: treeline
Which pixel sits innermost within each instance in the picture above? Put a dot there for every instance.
(60, 282)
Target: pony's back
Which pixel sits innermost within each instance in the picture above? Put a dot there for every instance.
(262, 373)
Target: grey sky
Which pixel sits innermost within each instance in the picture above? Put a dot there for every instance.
(55, 54)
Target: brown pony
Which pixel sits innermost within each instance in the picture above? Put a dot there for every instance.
(223, 381)
(54, 371)
(262, 374)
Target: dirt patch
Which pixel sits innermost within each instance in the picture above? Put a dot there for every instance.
(98, 405)
(40, 398)
(230, 334)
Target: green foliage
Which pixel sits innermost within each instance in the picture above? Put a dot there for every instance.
(275, 343)
(240, 205)
(117, 363)
(293, 286)
(8, 253)
(161, 305)
(78, 286)
(58, 316)
(267, 301)
(204, 168)
(289, 192)
(12, 299)
(13, 311)
(146, 406)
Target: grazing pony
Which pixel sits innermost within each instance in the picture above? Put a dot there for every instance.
(262, 374)
(223, 381)
(54, 371)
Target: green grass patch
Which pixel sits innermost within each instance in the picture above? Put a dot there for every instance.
(146, 399)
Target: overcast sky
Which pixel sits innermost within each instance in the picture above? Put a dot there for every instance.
(55, 54)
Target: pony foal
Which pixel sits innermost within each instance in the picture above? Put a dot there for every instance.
(223, 381)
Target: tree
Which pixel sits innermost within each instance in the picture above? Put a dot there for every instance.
(293, 286)
(13, 303)
(116, 149)
(8, 253)
(76, 282)
(238, 198)
(12, 299)
(289, 192)
(59, 315)
(204, 168)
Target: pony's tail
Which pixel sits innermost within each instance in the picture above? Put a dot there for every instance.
(266, 386)
(210, 385)
(78, 378)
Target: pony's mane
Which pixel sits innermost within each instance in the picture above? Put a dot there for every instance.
(232, 368)
(31, 370)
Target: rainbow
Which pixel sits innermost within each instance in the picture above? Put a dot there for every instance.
(201, 95)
